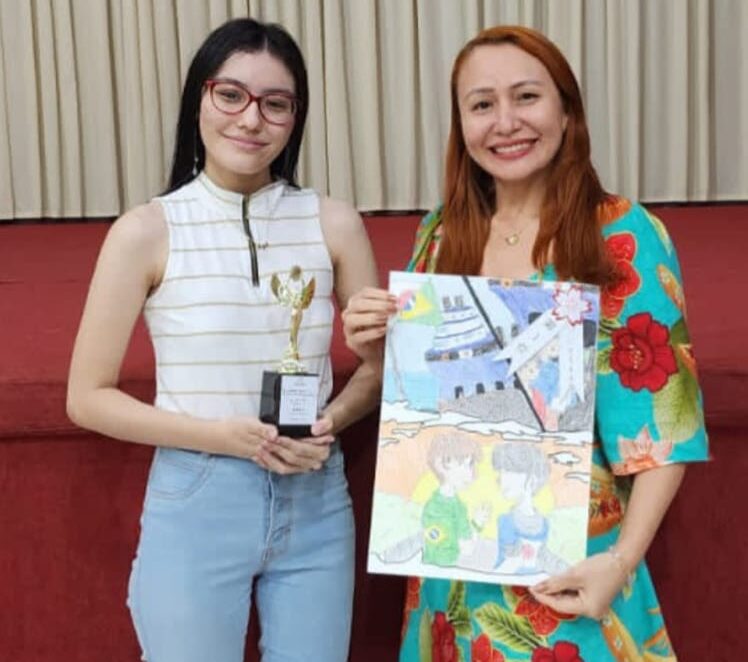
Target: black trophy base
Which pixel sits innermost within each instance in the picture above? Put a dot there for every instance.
(290, 401)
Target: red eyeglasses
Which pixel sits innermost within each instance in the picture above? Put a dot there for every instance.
(232, 97)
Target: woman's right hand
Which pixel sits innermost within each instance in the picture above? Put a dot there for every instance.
(365, 321)
(251, 439)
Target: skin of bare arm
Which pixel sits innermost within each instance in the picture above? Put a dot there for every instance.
(355, 269)
(130, 265)
(589, 587)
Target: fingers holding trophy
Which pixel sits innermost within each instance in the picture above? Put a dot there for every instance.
(290, 394)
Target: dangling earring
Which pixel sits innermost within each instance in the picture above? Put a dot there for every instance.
(195, 159)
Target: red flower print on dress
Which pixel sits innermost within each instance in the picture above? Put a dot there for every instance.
(621, 247)
(562, 651)
(412, 600)
(642, 355)
(482, 651)
(543, 619)
(443, 645)
(605, 506)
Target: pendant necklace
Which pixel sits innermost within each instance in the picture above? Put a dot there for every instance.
(513, 238)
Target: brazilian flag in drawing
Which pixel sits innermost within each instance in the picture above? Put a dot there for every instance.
(420, 306)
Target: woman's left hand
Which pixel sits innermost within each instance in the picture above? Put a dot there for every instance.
(587, 589)
(284, 455)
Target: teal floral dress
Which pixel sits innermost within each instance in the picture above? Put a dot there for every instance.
(648, 413)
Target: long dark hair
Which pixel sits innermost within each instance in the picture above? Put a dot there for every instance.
(569, 223)
(241, 35)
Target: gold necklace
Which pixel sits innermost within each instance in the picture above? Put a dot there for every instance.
(513, 238)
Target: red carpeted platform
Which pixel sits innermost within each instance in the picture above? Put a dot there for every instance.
(71, 500)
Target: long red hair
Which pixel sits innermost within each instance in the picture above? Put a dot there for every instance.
(568, 216)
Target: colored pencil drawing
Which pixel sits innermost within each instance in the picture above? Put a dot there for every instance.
(485, 438)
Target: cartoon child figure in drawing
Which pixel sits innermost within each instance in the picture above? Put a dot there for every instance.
(522, 471)
(448, 532)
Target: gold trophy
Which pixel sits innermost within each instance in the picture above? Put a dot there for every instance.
(290, 395)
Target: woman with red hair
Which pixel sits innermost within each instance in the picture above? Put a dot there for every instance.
(522, 200)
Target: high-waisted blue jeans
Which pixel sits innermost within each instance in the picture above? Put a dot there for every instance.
(213, 525)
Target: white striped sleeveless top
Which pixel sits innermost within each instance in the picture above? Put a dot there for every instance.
(214, 331)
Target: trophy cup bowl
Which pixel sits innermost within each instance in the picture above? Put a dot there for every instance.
(290, 395)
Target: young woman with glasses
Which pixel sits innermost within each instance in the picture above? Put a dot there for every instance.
(522, 200)
(234, 511)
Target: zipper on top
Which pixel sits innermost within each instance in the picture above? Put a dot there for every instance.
(250, 242)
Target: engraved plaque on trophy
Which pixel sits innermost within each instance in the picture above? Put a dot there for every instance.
(290, 395)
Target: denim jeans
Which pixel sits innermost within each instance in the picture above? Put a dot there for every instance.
(214, 526)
